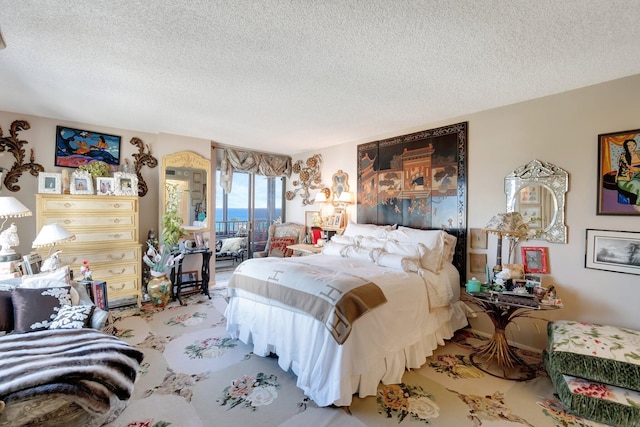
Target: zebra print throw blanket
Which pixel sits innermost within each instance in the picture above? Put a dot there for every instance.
(85, 365)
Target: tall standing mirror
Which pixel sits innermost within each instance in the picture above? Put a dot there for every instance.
(537, 190)
(191, 173)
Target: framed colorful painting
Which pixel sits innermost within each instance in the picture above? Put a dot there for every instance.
(76, 147)
(619, 173)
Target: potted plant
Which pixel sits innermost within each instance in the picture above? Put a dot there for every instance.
(171, 220)
(96, 168)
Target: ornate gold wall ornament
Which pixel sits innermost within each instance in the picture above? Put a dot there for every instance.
(142, 159)
(310, 177)
(14, 145)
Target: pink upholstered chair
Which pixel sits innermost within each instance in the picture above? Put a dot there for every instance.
(279, 237)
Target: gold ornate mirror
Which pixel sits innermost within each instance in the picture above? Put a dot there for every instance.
(537, 191)
(191, 173)
(339, 185)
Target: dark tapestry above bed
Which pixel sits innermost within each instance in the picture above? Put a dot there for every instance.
(417, 180)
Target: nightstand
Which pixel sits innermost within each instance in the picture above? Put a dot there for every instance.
(303, 249)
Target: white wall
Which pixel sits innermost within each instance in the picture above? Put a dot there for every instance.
(562, 129)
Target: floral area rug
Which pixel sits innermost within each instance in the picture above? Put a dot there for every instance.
(193, 374)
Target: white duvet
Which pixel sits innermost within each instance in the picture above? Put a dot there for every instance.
(384, 342)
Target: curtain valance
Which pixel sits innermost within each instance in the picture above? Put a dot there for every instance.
(270, 165)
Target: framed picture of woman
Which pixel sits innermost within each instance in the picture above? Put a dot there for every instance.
(619, 173)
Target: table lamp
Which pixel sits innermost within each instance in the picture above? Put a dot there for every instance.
(10, 207)
(510, 224)
(50, 235)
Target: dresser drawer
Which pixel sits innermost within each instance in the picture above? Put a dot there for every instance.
(106, 272)
(122, 286)
(115, 256)
(78, 204)
(73, 221)
(111, 237)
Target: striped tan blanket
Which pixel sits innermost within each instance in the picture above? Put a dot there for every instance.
(86, 365)
(335, 298)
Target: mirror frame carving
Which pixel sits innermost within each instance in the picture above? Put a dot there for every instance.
(188, 159)
(552, 178)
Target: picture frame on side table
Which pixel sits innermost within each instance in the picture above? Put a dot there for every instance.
(617, 251)
(125, 184)
(81, 183)
(32, 263)
(105, 186)
(199, 239)
(617, 183)
(50, 183)
(189, 276)
(535, 259)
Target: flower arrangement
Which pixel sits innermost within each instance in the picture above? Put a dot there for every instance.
(96, 168)
(85, 270)
(160, 260)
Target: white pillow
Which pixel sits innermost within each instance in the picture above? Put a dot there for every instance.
(369, 242)
(231, 244)
(332, 248)
(379, 231)
(397, 261)
(449, 248)
(32, 280)
(357, 253)
(343, 240)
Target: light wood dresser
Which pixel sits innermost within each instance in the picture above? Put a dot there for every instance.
(106, 229)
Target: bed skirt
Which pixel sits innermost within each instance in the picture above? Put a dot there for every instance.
(327, 372)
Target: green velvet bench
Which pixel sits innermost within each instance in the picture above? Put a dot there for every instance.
(595, 370)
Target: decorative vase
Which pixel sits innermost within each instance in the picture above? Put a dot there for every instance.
(159, 289)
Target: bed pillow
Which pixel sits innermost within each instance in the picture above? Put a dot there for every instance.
(369, 242)
(334, 249)
(379, 231)
(39, 280)
(72, 317)
(278, 246)
(449, 247)
(357, 253)
(343, 240)
(397, 261)
(6, 311)
(34, 309)
(232, 244)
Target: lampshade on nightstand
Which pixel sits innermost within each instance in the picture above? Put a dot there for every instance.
(10, 207)
(509, 224)
(50, 235)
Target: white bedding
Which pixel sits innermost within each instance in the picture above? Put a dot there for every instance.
(384, 342)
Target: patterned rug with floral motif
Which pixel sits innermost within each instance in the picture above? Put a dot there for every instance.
(193, 374)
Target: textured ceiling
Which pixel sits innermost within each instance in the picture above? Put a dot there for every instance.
(291, 76)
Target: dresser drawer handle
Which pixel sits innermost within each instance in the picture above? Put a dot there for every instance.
(115, 236)
(116, 205)
(67, 205)
(122, 270)
(117, 220)
(118, 288)
(67, 221)
(116, 257)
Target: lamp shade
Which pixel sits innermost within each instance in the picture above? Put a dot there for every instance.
(10, 207)
(507, 224)
(321, 197)
(345, 197)
(52, 234)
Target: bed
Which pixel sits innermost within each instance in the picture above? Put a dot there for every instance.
(404, 302)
